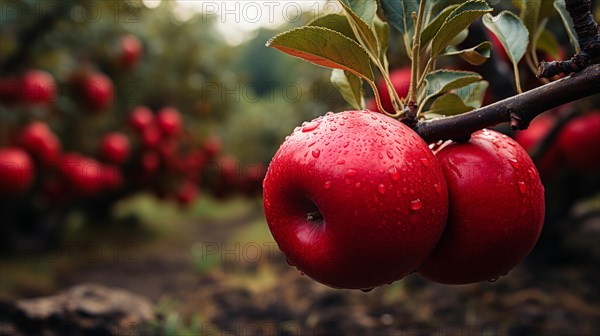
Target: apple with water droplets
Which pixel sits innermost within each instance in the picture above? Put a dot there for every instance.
(355, 199)
(496, 210)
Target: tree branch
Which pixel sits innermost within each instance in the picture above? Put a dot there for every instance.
(518, 110)
(588, 34)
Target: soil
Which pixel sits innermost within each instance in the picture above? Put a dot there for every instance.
(228, 277)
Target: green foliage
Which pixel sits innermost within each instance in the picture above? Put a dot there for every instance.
(568, 23)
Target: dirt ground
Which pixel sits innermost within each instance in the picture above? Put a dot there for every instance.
(224, 276)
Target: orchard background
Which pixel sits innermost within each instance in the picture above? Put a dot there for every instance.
(143, 130)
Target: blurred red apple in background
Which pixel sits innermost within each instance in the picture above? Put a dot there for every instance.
(169, 121)
(114, 148)
(97, 91)
(16, 171)
(131, 50)
(41, 143)
(579, 140)
(140, 118)
(37, 87)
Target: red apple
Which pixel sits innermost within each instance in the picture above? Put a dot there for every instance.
(131, 50)
(212, 146)
(499, 48)
(41, 143)
(98, 91)
(252, 176)
(112, 177)
(150, 161)
(496, 210)
(169, 121)
(401, 80)
(141, 118)
(532, 137)
(187, 193)
(16, 171)
(37, 87)
(114, 148)
(151, 136)
(83, 174)
(579, 140)
(355, 199)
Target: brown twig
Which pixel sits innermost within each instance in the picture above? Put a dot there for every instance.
(519, 109)
(588, 34)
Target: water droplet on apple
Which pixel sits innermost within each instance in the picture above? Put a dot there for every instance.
(532, 173)
(311, 126)
(312, 144)
(514, 163)
(380, 156)
(494, 279)
(328, 114)
(390, 155)
(381, 189)
(289, 262)
(416, 205)
(522, 187)
(351, 172)
(316, 153)
(341, 162)
(357, 185)
(394, 174)
(438, 188)
(366, 290)
(346, 144)
(333, 128)
(425, 162)
(327, 184)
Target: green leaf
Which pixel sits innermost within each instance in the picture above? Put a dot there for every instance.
(475, 56)
(548, 43)
(530, 14)
(360, 15)
(336, 22)
(398, 13)
(436, 7)
(568, 23)
(365, 10)
(442, 81)
(511, 32)
(473, 94)
(382, 30)
(325, 47)
(350, 87)
(434, 26)
(448, 105)
(456, 22)
(460, 38)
